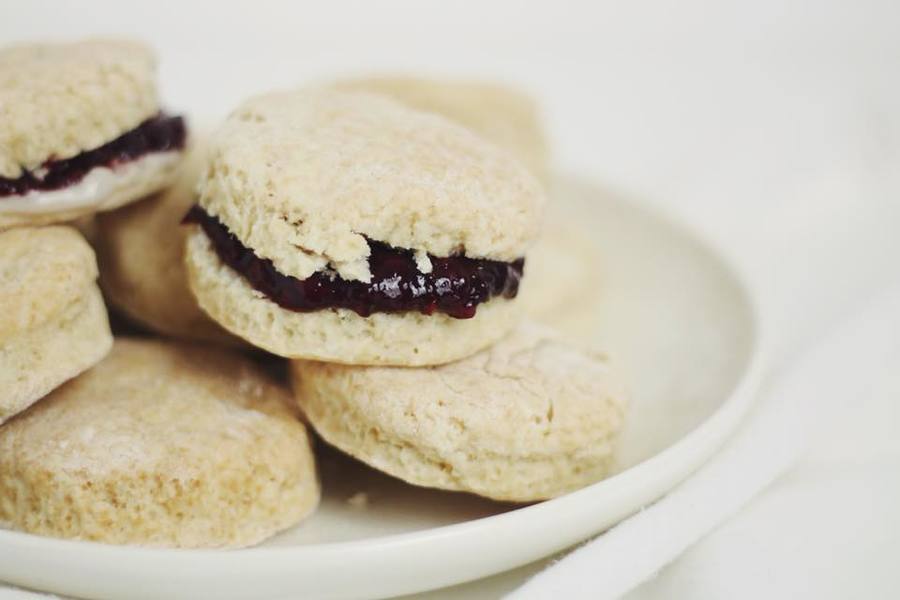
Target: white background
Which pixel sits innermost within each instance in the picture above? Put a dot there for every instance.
(772, 126)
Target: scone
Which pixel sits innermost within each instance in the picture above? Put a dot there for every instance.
(140, 249)
(346, 227)
(53, 324)
(160, 445)
(527, 419)
(81, 130)
(564, 284)
(500, 114)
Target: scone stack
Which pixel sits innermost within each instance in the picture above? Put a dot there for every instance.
(132, 441)
(374, 233)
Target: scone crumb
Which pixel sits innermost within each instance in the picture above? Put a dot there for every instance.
(423, 263)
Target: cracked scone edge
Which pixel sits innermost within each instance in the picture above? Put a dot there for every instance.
(122, 454)
(528, 419)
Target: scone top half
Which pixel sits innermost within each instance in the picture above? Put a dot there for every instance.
(71, 110)
(325, 199)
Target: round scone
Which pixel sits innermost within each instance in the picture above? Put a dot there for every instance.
(500, 114)
(140, 250)
(528, 419)
(81, 130)
(347, 227)
(160, 445)
(53, 324)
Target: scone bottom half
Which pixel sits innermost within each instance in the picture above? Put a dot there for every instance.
(529, 418)
(159, 134)
(454, 285)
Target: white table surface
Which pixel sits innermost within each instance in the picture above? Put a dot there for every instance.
(771, 126)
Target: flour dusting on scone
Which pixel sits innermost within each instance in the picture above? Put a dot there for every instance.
(160, 444)
(347, 227)
(140, 251)
(530, 418)
(81, 130)
(53, 323)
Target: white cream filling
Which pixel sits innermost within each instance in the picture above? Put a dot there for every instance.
(99, 183)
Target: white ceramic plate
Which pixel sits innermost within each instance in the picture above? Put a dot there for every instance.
(672, 313)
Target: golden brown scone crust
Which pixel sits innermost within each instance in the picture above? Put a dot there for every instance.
(163, 445)
(58, 100)
(53, 324)
(303, 177)
(527, 419)
(40, 272)
(140, 249)
(339, 335)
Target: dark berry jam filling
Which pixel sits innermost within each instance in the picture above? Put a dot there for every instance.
(158, 134)
(455, 286)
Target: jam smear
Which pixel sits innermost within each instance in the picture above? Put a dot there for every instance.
(157, 134)
(455, 286)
